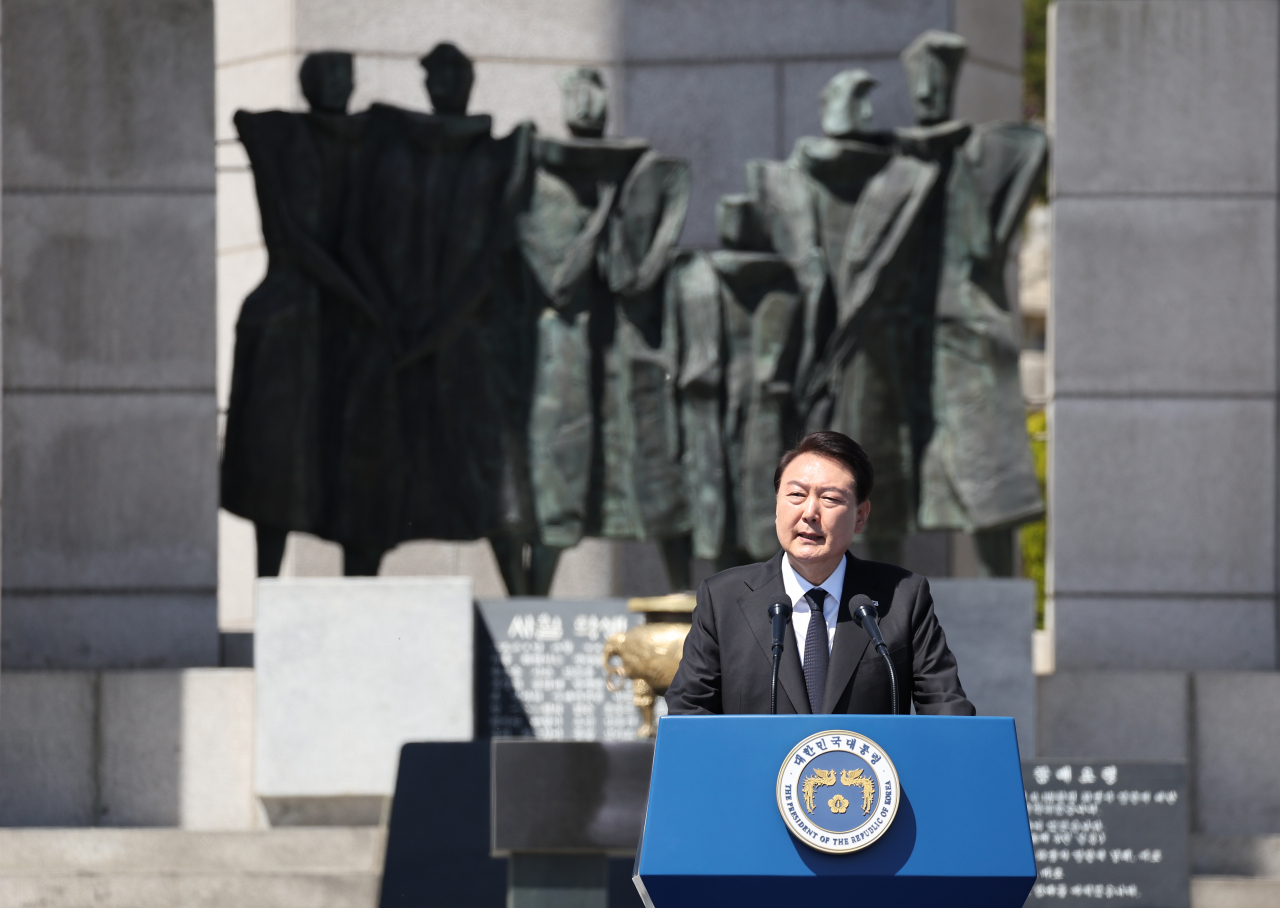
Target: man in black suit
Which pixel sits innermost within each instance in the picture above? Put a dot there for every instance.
(823, 490)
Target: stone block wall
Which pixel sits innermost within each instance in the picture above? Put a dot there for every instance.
(1162, 340)
(109, 453)
(127, 748)
(716, 81)
(1163, 334)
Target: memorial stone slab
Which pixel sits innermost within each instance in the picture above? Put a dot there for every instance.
(539, 670)
(1114, 832)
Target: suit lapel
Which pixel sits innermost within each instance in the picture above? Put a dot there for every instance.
(766, 589)
(851, 641)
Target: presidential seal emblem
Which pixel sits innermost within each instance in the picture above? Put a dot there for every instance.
(838, 791)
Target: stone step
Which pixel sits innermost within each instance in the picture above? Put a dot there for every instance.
(31, 852)
(1231, 856)
(226, 889)
(1234, 892)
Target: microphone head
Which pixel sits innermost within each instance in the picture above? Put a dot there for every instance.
(858, 603)
(780, 608)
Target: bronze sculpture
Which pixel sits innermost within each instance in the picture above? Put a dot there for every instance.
(282, 424)
(598, 235)
(976, 472)
(452, 316)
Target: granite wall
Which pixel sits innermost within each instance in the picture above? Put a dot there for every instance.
(110, 457)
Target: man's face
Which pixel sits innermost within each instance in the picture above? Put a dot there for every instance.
(817, 514)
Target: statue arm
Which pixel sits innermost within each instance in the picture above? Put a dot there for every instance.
(309, 256)
(675, 207)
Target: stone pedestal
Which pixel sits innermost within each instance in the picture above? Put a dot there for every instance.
(348, 671)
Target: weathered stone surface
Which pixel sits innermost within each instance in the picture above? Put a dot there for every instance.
(581, 30)
(141, 719)
(75, 630)
(1122, 715)
(1237, 775)
(1128, 516)
(252, 28)
(46, 748)
(706, 29)
(987, 93)
(177, 749)
(72, 80)
(1210, 634)
(348, 670)
(993, 29)
(1131, 85)
(237, 558)
(425, 558)
(108, 291)
(988, 624)
(239, 225)
(215, 790)
(110, 491)
(728, 114)
(1131, 316)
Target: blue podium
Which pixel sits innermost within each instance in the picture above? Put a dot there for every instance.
(714, 832)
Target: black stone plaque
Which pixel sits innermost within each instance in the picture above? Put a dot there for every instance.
(540, 671)
(1113, 832)
(569, 796)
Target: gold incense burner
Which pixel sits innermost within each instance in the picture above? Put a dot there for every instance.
(649, 653)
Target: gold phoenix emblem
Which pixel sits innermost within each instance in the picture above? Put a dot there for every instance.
(838, 803)
(819, 779)
(856, 779)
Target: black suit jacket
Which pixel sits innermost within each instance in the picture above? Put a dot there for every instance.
(727, 662)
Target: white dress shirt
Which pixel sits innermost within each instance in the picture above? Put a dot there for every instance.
(796, 586)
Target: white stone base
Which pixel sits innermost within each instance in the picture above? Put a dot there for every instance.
(348, 670)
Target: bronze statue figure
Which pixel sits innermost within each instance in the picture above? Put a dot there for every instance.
(284, 421)
(598, 234)
(976, 472)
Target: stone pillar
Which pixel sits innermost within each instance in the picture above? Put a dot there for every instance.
(1163, 335)
(715, 81)
(108, 278)
(1163, 496)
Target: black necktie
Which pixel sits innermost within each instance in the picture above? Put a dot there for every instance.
(816, 654)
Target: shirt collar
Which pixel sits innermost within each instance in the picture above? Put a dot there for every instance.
(796, 586)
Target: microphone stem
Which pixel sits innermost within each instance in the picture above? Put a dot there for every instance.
(773, 684)
(893, 678)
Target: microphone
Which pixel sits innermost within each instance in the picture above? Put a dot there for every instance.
(864, 612)
(780, 614)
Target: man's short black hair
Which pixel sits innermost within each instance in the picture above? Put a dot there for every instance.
(838, 447)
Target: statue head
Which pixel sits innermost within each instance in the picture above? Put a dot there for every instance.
(932, 62)
(450, 76)
(846, 105)
(327, 81)
(585, 102)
